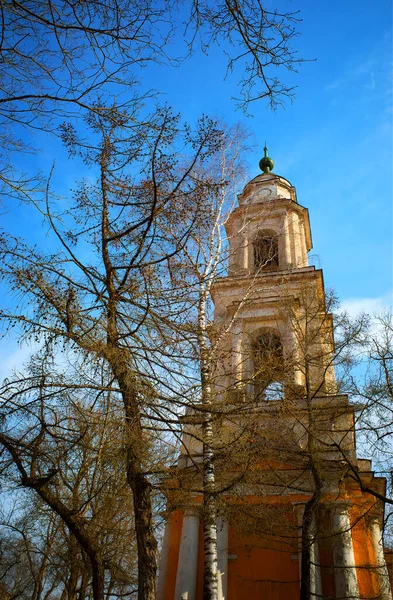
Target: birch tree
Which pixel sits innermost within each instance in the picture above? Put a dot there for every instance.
(197, 265)
(215, 420)
(206, 261)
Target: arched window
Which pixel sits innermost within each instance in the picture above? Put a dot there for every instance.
(265, 251)
(268, 366)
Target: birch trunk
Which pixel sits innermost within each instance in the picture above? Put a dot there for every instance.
(210, 586)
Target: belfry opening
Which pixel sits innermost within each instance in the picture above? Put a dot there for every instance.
(288, 508)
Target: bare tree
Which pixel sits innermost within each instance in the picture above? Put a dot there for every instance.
(367, 377)
(261, 40)
(40, 558)
(205, 259)
(220, 418)
(62, 60)
(327, 353)
(269, 418)
(107, 294)
(67, 446)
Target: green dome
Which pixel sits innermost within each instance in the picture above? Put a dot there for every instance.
(266, 164)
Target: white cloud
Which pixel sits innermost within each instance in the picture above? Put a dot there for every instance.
(360, 71)
(371, 306)
(333, 85)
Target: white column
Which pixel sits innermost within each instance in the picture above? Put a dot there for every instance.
(188, 558)
(287, 244)
(246, 253)
(344, 558)
(291, 241)
(385, 592)
(303, 243)
(237, 351)
(222, 552)
(164, 559)
(292, 354)
(297, 241)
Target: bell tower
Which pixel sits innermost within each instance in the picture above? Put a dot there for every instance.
(271, 291)
(290, 508)
(268, 209)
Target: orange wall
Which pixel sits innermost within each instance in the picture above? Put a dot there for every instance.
(173, 554)
(263, 568)
(364, 558)
(260, 572)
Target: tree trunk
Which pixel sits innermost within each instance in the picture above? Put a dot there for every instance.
(98, 583)
(210, 582)
(86, 541)
(210, 586)
(308, 538)
(39, 584)
(312, 506)
(84, 584)
(146, 541)
(120, 361)
(142, 493)
(137, 480)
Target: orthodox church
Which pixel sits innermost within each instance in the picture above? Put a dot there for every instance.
(294, 497)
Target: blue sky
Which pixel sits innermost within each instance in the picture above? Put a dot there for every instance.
(333, 142)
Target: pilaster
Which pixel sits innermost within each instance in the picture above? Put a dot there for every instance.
(344, 560)
(188, 558)
(381, 570)
(222, 552)
(164, 559)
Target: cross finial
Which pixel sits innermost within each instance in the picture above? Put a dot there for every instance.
(266, 164)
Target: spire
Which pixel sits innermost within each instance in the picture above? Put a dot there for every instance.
(266, 164)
